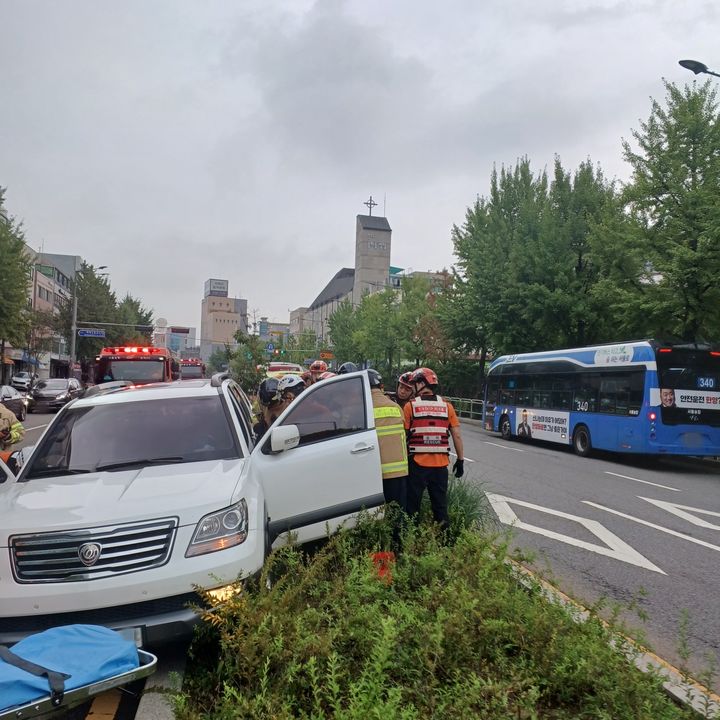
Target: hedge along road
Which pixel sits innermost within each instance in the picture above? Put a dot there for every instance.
(613, 527)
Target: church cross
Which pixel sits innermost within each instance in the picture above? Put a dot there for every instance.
(370, 203)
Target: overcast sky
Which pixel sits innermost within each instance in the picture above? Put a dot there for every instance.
(177, 140)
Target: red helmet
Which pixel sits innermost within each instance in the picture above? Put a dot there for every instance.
(406, 379)
(318, 366)
(424, 375)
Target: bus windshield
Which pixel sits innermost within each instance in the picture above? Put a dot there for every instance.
(136, 370)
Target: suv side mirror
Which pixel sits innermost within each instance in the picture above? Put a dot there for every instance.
(285, 437)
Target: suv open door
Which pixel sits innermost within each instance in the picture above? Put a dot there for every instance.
(321, 461)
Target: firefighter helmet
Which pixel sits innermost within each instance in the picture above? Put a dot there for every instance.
(318, 366)
(426, 376)
(376, 380)
(291, 383)
(268, 391)
(347, 367)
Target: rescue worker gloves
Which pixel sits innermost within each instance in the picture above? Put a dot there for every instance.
(459, 468)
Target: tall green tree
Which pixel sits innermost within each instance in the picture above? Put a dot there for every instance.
(674, 199)
(96, 303)
(14, 281)
(247, 361)
(343, 323)
(527, 261)
(379, 332)
(135, 321)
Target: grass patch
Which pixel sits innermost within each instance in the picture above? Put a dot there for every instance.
(453, 635)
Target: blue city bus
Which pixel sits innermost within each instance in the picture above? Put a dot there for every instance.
(645, 396)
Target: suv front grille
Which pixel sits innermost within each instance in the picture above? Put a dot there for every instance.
(92, 553)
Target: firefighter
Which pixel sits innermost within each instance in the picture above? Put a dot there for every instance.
(430, 421)
(317, 368)
(405, 390)
(290, 386)
(393, 451)
(11, 432)
(271, 405)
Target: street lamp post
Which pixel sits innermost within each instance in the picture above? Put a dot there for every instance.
(697, 67)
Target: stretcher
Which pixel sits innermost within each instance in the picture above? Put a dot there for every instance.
(56, 690)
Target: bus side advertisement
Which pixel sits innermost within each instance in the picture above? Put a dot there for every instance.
(636, 397)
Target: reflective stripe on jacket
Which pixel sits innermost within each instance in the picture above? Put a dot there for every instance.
(391, 436)
(430, 426)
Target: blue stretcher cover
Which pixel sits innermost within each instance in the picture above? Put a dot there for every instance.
(70, 656)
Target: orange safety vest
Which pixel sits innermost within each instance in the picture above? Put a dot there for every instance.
(430, 426)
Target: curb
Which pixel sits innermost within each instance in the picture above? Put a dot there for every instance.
(155, 702)
(680, 687)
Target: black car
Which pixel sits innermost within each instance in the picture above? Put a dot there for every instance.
(14, 401)
(49, 395)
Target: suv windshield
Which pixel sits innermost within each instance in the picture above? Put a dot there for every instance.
(135, 434)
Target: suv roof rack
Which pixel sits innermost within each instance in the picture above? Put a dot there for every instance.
(217, 379)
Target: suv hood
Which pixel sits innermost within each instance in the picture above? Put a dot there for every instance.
(187, 491)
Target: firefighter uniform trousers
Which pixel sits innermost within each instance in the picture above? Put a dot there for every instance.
(429, 445)
(393, 452)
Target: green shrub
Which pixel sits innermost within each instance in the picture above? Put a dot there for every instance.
(453, 635)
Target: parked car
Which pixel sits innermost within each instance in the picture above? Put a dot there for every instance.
(49, 395)
(135, 496)
(23, 380)
(14, 401)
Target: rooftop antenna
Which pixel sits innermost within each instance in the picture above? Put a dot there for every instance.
(384, 205)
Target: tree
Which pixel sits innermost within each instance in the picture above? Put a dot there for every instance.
(343, 323)
(379, 331)
(14, 282)
(673, 198)
(137, 322)
(39, 334)
(96, 302)
(528, 264)
(247, 362)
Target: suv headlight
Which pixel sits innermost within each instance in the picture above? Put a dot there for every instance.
(63, 396)
(220, 530)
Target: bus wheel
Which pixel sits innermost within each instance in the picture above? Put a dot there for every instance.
(505, 428)
(581, 441)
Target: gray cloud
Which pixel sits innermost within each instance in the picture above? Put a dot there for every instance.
(174, 141)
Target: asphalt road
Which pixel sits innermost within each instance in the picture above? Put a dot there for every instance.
(35, 424)
(617, 527)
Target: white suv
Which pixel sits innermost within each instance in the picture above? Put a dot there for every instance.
(133, 497)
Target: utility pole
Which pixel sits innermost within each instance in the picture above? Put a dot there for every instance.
(73, 330)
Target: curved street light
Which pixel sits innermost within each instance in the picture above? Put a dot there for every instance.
(697, 67)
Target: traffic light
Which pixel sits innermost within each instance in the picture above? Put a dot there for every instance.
(276, 352)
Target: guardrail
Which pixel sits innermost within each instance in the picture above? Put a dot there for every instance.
(469, 408)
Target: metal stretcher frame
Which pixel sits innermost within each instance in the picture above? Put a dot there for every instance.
(72, 698)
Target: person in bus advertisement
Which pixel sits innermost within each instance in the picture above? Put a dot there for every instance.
(667, 397)
(523, 429)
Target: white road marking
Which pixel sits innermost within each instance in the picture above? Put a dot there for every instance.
(647, 482)
(466, 458)
(504, 447)
(679, 510)
(653, 525)
(616, 548)
(37, 427)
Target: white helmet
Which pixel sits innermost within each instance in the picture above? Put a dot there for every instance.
(291, 383)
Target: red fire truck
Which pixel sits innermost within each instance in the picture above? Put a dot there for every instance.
(137, 364)
(192, 369)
